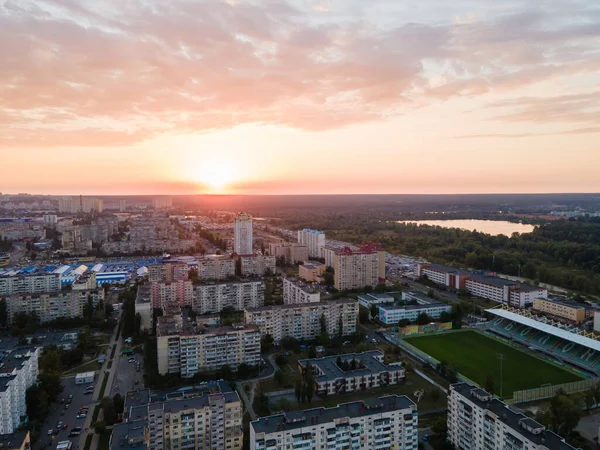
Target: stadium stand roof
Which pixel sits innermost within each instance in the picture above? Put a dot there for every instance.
(554, 331)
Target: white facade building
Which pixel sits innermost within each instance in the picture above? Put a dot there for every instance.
(29, 284)
(389, 422)
(314, 240)
(303, 321)
(391, 314)
(206, 349)
(242, 234)
(296, 291)
(213, 298)
(257, 265)
(215, 268)
(478, 421)
(18, 373)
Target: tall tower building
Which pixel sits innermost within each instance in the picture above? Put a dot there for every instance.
(242, 234)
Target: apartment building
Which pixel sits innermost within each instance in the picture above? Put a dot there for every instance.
(311, 271)
(211, 420)
(176, 292)
(257, 265)
(202, 349)
(29, 284)
(351, 372)
(290, 252)
(163, 202)
(296, 291)
(18, 373)
(375, 247)
(355, 269)
(74, 205)
(85, 282)
(314, 240)
(377, 423)
(216, 268)
(166, 273)
(303, 321)
(478, 421)
(570, 312)
(213, 298)
(242, 234)
(54, 305)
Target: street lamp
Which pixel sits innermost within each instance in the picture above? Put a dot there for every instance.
(501, 357)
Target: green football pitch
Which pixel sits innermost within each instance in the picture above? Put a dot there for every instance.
(475, 356)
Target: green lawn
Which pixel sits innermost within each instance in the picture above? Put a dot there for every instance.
(475, 356)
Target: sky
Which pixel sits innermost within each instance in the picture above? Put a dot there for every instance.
(299, 96)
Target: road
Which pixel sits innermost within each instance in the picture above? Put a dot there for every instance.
(270, 371)
(422, 433)
(96, 396)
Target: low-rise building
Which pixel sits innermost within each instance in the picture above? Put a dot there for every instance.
(290, 252)
(187, 350)
(351, 372)
(257, 265)
(572, 313)
(507, 292)
(477, 420)
(213, 298)
(296, 291)
(303, 321)
(368, 300)
(19, 371)
(376, 423)
(311, 271)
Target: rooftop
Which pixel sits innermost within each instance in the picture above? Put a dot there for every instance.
(522, 424)
(299, 419)
(302, 305)
(567, 304)
(14, 440)
(301, 285)
(331, 371)
(130, 435)
(447, 269)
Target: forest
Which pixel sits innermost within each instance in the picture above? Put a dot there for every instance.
(565, 253)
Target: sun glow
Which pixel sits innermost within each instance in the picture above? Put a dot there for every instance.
(217, 176)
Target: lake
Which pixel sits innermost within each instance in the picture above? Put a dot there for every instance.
(493, 227)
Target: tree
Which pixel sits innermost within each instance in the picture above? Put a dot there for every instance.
(440, 425)
(374, 312)
(445, 317)
(279, 377)
(119, 403)
(488, 385)
(109, 410)
(423, 319)
(589, 398)
(266, 343)
(562, 415)
(298, 390)
(3, 313)
(225, 373)
(100, 427)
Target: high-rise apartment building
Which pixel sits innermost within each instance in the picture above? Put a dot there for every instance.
(388, 422)
(257, 265)
(477, 420)
(290, 252)
(168, 272)
(213, 298)
(173, 293)
(296, 291)
(314, 240)
(303, 321)
(162, 202)
(216, 268)
(74, 205)
(242, 234)
(188, 351)
(207, 421)
(19, 372)
(29, 284)
(355, 269)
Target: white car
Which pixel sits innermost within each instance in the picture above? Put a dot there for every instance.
(49, 433)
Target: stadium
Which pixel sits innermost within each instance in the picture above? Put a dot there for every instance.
(537, 353)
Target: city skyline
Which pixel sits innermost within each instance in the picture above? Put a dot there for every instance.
(299, 97)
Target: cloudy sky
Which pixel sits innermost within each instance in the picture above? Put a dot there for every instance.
(299, 96)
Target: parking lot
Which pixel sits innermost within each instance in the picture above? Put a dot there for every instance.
(126, 375)
(67, 416)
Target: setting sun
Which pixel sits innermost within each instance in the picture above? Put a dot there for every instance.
(216, 176)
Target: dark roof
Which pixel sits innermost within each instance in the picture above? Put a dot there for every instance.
(129, 435)
(13, 441)
(446, 269)
(494, 281)
(300, 419)
(511, 418)
(302, 305)
(331, 371)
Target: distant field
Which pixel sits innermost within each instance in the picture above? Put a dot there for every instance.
(474, 356)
